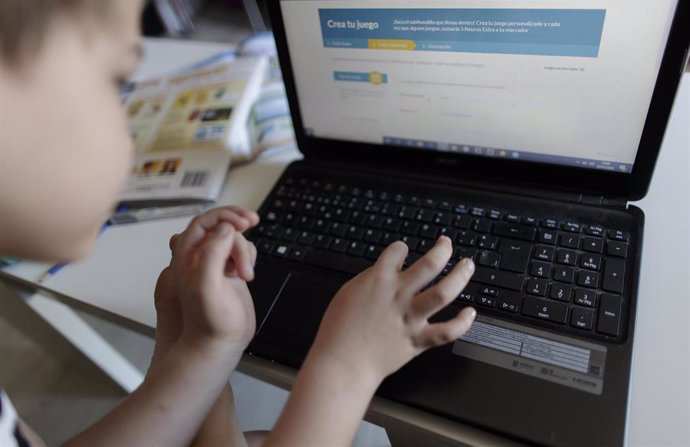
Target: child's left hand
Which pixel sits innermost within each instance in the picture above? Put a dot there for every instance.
(203, 295)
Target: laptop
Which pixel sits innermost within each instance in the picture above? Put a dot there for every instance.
(521, 132)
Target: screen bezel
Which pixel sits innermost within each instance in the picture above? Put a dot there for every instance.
(628, 186)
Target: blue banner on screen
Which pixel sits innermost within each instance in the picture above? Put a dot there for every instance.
(548, 32)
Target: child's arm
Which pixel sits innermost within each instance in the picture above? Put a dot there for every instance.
(200, 339)
(375, 324)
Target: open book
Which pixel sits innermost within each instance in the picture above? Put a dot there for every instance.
(188, 126)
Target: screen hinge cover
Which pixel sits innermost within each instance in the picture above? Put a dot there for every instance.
(610, 202)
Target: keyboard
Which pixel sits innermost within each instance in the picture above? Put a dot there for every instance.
(558, 272)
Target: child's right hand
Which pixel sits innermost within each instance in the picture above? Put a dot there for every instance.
(378, 321)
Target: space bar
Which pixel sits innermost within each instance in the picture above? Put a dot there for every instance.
(335, 261)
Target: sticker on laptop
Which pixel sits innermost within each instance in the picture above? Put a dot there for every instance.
(567, 361)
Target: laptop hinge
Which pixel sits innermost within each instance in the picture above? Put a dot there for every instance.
(608, 202)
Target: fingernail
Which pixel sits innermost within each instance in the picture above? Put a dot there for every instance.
(469, 265)
(473, 313)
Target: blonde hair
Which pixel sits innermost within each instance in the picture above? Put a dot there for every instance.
(24, 23)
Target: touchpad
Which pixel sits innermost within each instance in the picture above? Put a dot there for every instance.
(294, 320)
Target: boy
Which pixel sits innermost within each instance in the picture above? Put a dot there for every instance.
(60, 65)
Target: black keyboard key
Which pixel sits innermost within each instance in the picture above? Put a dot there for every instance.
(515, 231)
(443, 219)
(335, 261)
(290, 234)
(478, 212)
(619, 235)
(465, 297)
(582, 318)
(587, 298)
(424, 216)
(563, 274)
(411, 228)
(547, 237)
(449, 232)
(322, 226)
(512, 218)
(462, 222)
(356, 248)
(511, 303)
(609, 315)
(488, 291)
(488, 259)
(373, 252)
(540, 269)
(486, 301)
(544, 253)
(425, 245)
(388, 238)
(360, 218)
(482, 225)
(466, 238)
(550, 223)
(588, 279)
(373, 236)
(498, 278)
(487, 242)
(537, 287)
(529, 220)
(281, 250)
(514, 256)
(593, 245)
(569, 240)
(264, 246)
(591, 262)
(614, 274)
(595, 230)
(306, 238)
(494, 214)
(406, 212)
(428, 231)
(298, 253)
(272, 216)
(339, 229)
(340, 245)
(391, 224)
(561, 292)
(571, 227)
(619, 249)
(546, 310)
(355, 232)
(567, 257)
(322, 241)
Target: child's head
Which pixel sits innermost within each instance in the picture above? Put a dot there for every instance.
(65, 149)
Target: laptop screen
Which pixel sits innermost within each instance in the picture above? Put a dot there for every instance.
(555, 82)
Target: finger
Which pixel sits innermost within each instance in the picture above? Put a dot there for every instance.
(441, 333)
(214, 252)
(439, 296)
(393, 256)
(430, 265)
(202, 224)
(254, 252)
(174, 240)
(242, 257)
